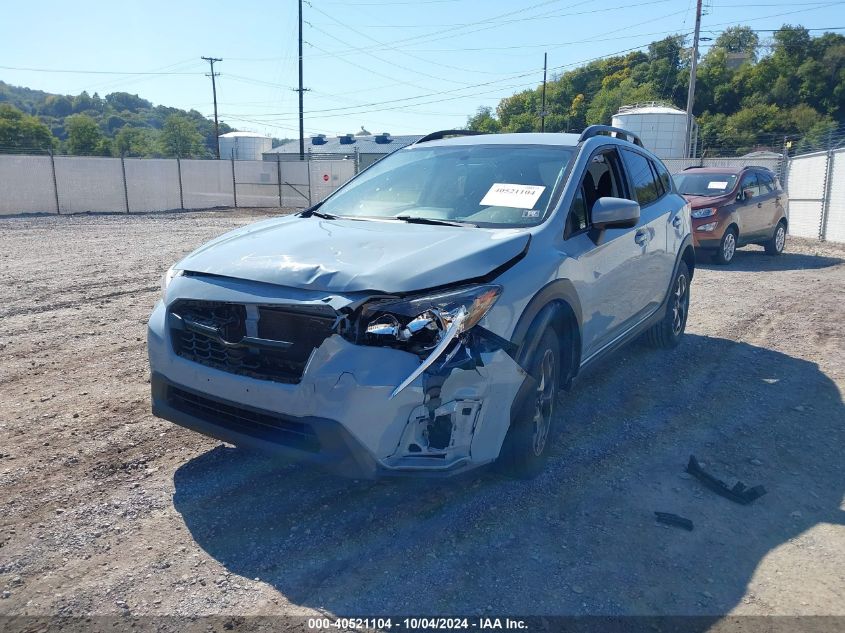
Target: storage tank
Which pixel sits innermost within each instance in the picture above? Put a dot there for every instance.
(662, 128)
(244, 145)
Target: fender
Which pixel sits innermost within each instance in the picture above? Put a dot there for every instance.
(557, 290)
(545, 308)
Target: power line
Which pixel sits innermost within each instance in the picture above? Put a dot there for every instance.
(93, 72)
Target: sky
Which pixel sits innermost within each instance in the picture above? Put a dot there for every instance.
(403, 66)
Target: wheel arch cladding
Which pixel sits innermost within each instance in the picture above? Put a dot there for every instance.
(555, 305)
(688, 257)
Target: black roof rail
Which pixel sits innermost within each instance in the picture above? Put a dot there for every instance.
(616, 132)
(436, 136)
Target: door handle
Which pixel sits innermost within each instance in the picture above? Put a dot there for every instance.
(641, 237)
(676, 221)
(759, 205)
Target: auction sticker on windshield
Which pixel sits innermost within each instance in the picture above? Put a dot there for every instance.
(717, 184)
(503, 194)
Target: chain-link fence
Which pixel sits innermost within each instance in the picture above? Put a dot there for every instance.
(77, 184)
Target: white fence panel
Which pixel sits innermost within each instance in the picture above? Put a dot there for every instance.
(207, 184)
(152, 184)
(258, 183)
(26, 185)
(805, 180)
(90, 184)
(835, 226)
(327, 176)
(295, 184)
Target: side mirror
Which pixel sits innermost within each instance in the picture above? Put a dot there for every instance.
(615, 213)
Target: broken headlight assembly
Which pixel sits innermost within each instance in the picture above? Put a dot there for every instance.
(426, 325)
(419, 324)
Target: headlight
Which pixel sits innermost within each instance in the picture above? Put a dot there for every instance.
(704, 213)
(167, 278)
(419, 323)
(708, 227)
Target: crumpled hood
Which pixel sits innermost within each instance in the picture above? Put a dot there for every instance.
(353, 255)
(699, 202)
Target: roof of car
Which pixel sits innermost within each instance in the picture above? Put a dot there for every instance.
(521, 138)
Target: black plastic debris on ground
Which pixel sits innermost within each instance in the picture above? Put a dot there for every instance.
(673, 519)
(739, 493)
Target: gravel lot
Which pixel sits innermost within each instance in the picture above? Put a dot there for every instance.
(106, 510)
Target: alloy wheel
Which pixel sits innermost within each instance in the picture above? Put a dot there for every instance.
(780, 238)
(680, 305)
(544, 407)
(728, 247)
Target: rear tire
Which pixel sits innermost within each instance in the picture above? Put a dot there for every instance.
(668, 332)
(727, 248)
(523, 452)
(775, 245)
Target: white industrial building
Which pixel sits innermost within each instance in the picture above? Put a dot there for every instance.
(661, 127)
(244, 145)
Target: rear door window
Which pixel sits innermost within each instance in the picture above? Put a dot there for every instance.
(767, 183)
(663, 175)
(646, 187)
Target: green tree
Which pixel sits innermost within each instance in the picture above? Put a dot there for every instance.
(23, 132)
(135, 141)
(484, 121)
(84, 137)
(180, 138)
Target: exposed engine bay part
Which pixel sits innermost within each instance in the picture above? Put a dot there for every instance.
(739, 493)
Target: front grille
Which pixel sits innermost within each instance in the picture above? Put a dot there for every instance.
(306, 332)
(259, 424)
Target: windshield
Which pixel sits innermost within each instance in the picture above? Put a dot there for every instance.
(704, 184)
(485, 185)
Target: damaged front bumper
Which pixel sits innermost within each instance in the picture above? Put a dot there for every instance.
(346, 412)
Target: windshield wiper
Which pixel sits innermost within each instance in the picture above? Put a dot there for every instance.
(320, 214)
(413, 219)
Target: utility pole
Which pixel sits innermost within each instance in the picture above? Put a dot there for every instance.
(693, 71)
(213, 74)
(543, 107)
(301, 91)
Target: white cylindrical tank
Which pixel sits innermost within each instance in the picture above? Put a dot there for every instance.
(662, 128)
(244, 145)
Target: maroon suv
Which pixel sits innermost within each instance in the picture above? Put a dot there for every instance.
(732, 207)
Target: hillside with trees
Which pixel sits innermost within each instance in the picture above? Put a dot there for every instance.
(750, 94)
(90, 125)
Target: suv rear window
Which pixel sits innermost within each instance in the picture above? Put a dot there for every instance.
(646, 188)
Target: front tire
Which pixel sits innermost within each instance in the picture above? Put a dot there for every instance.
(775, 245)
(727, 248)
(668, 332)
(524, 449)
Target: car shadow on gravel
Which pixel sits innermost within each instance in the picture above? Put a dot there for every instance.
(757, 261)
(580, 539)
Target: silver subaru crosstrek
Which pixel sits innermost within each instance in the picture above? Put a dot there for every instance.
(422, 318)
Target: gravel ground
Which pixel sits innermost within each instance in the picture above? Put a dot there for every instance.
(105, 510)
